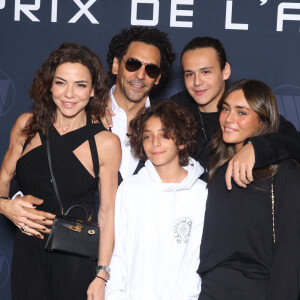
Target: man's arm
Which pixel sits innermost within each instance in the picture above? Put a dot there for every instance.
(275, 147)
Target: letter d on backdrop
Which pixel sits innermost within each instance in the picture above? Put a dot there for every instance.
(134, 8)
(2, 4)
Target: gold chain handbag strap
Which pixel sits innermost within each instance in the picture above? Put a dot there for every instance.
(273, 211)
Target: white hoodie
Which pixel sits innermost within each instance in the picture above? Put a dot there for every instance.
(158, 230)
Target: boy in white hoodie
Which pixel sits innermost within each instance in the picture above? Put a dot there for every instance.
(159, 212)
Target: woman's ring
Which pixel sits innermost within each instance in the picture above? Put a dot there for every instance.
(23, 228)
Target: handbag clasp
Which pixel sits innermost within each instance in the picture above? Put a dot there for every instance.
(76, 228)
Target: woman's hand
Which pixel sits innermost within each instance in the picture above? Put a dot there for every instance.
(96, 290)
(23, 213)
(107, 118)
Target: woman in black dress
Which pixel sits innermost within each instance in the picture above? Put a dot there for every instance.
(251, 241)
(69, 93)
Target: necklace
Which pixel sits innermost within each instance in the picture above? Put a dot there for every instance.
(202, 125)
(65, 128)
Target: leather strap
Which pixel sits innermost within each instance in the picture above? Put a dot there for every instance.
(89, 218)
(93, 148)
(79, 206)
(95, 158)
(51, 172)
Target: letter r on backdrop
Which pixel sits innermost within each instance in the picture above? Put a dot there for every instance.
(26, 9)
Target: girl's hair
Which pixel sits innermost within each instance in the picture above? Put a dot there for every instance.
(44, 107)
(178, 124)
(262, 100)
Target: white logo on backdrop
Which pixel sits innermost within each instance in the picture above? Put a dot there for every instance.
(7, 94)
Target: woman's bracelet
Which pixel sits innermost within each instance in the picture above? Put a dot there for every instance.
(4, 197)
(101, 278)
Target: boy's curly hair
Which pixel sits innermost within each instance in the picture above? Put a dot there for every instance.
(178, 124)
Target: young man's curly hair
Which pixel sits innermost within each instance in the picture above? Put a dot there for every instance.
(178, 124)
(119, 45)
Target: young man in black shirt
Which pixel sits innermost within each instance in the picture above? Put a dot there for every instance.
(205, 70)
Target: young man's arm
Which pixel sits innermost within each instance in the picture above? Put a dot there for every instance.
(273, 148)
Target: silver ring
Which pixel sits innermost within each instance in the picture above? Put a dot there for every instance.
(23, 228)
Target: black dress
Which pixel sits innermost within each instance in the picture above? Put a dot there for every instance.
(37, 273)
(238, 259)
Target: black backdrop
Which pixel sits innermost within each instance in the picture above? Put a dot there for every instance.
(261, 39)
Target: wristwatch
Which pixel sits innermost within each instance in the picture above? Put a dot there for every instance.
(105, 269)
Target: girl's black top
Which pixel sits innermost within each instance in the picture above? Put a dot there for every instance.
(238, 231)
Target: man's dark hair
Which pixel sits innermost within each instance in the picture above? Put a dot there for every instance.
(207, 42)
(178, 124)
(119, 44)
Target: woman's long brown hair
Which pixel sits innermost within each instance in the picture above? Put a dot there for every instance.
(44, 107)
(262, 100)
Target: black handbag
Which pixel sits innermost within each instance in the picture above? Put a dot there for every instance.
(71, 236)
